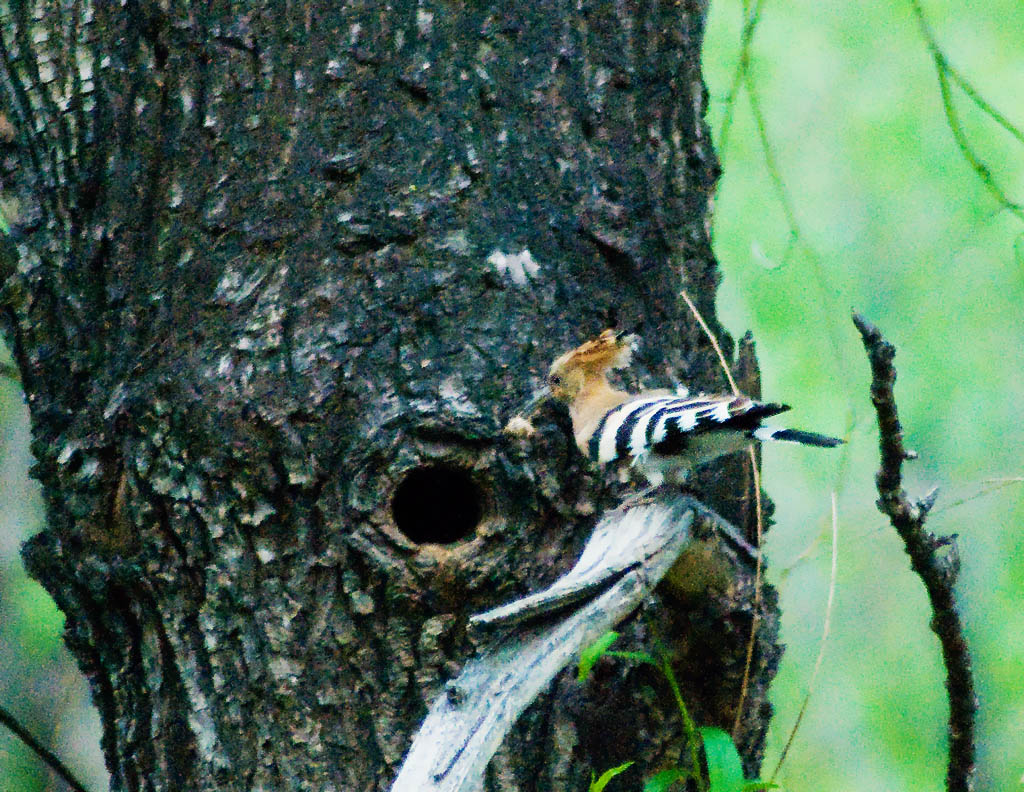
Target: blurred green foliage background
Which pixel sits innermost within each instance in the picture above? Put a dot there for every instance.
(890, 219)
(40, 683)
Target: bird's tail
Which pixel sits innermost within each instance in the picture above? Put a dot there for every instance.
(796, 436)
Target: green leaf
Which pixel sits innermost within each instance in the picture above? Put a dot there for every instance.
(664, 779)
(37, 622)
(725, 770)
(757, 784)
(639, 657)
(593, 653)
(607, 775)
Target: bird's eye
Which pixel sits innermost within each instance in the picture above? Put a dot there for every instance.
(554, 379)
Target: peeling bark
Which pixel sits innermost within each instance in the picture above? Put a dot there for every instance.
(270, 260)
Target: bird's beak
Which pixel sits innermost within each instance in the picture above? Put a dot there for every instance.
(519, 425)
(535, 401)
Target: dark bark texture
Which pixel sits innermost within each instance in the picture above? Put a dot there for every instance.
(278, 273)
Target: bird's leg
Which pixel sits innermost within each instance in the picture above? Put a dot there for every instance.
(732, 537)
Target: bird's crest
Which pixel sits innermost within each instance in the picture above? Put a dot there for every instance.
(613, 349)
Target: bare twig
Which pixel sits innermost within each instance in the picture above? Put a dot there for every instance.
(937, 572)
(51, 761)
(751, 16)
(772, 165)
(945, 72)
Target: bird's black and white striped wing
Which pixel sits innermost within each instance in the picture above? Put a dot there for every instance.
(666, 425)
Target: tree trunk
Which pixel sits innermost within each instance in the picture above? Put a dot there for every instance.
(278, 274)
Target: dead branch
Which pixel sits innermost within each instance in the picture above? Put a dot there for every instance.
(535, 637)
(938, 571)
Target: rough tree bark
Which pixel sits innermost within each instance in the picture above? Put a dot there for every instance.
(278, 273)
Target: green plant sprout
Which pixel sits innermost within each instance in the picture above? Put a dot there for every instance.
(722, 769)
(598, 784)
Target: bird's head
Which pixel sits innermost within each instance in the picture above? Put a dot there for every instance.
(565, 382)
(570, 372)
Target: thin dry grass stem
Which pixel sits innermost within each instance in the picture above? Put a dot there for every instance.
(821, 644)
(754, 622)
(712, 339)
(994, 485)
(748, 661)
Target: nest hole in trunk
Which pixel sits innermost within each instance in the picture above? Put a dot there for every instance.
(437, 503)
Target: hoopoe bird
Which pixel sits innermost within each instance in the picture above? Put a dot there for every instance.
(664, 434)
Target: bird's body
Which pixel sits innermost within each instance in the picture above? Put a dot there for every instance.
(666, 435)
